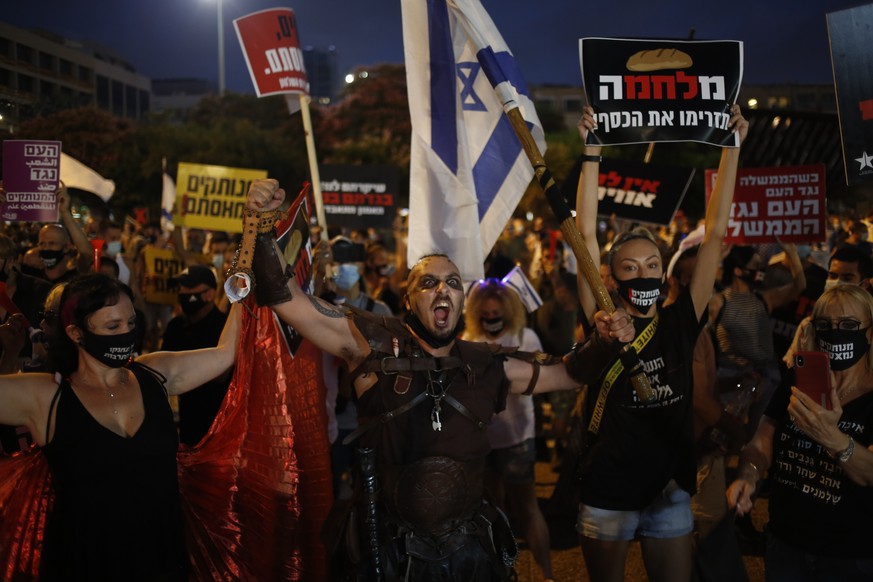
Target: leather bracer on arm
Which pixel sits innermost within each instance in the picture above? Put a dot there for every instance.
(590, 359)
(271, 271)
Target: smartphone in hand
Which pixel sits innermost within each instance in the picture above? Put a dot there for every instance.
(812, 376)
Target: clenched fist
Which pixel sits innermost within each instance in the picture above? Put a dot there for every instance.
(265, 195)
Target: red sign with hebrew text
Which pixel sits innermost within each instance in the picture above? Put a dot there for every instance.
(272, 50)
(787, 203)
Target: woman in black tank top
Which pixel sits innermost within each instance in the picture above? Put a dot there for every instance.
(107, 430)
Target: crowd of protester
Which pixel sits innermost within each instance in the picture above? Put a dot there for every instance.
(764, 307)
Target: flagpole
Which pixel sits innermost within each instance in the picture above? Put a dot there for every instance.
(313, 165)
(639, 380)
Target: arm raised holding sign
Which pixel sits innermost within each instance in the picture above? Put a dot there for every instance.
(643, 451)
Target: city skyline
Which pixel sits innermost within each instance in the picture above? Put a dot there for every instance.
(785, 42)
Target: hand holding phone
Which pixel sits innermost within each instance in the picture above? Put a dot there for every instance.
(812, 376)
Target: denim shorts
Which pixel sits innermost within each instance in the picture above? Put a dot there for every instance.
(514, 464)
(668, 516)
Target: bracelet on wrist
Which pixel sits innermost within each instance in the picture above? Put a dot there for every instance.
(846, 454)
(594, 159)
(757, 471)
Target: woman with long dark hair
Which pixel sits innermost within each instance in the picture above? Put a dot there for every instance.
(104, 422)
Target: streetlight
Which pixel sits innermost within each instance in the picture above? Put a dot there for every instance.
(220, 49)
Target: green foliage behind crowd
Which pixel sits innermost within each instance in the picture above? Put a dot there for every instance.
(369, 125)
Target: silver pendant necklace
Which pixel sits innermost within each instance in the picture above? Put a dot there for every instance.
(111, 391)
(436, 389)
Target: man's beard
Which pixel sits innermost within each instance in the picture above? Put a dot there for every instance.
(432, 339)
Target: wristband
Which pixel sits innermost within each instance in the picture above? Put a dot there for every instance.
(595, 159)
(755, 467)
(846, 454)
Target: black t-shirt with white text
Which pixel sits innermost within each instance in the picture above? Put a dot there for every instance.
(639, 447)
(814, 506)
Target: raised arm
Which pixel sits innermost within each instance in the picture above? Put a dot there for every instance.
(586, 206)
(717, 214)
(77, 235)
(320, 322)
(785, 294)
(187, 370)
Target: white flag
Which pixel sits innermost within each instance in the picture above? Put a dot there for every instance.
(75, 174)
(468, 170)
(168, 198)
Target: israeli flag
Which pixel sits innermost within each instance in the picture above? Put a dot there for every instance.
(467, 171)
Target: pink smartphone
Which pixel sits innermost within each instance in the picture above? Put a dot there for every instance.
(812, 376)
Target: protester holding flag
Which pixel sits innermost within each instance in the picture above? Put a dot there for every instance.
(424, 398)
(638, 469)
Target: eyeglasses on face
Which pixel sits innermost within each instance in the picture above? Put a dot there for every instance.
(845, 324)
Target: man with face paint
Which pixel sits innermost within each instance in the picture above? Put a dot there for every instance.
(820, 459)
(638, 470)
(198, 326)
(424, 400)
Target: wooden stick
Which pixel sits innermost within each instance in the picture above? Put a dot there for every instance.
(589, 270)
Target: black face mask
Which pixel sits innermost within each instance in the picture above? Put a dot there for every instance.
(435, 342)
(844, 347)
(50, 259)
(112, 350)
(191, 303)
(641, 292)
(493, 325)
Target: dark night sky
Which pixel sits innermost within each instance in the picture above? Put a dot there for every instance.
(785, 40)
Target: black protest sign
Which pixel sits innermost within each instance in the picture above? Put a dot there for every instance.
(635, 191)
(851, 36)
(295, 243)
(359, 196)
(661, 90)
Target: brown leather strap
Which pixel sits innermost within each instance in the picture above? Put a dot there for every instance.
(454, 403)
(390, 365)
(385, 417)
(535, 359)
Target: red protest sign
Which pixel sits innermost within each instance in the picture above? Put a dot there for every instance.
(786, 202)
(271, 47)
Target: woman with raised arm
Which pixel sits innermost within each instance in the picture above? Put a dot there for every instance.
(105, 425)
(638, 470)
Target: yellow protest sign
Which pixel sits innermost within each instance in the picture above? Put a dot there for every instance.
(212, 197)
(161, 265)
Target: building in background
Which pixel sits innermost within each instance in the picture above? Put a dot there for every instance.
(322, 71)
(41, 72)
(787, 97)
